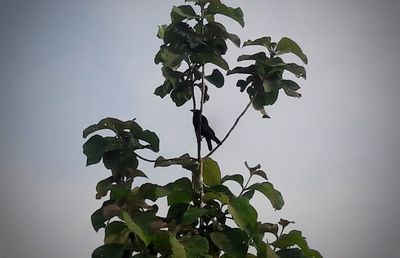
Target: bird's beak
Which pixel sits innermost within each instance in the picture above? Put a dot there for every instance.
(192, 110)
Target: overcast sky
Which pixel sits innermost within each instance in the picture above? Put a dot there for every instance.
(334, 154)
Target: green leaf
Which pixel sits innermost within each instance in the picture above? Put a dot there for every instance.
(291, 253)
(268, 190)
(237, 178)
(265, 99)
(216, 7)
(243, 70)
(211, 172)
(161, 31)
(295, 237)
(109, 251)
(216, 78)
(178, 250)
(103, 186)
(137, 228)
(232, 241)
(98, 219)
(116, 233)
(297, 70)
(181, 94)
(248, 194)
(164, 89)
(286, 45)
(179, 197)
(260, 173)
(192, 214)
(183, 12)
(203, 58)
(196, 246)
(94, 149)
(153, 191)
(152, 139)
(175, 212)
(242, 212)
(168, 57)
(234, 39)
(210, 196)
(112, 124)
(270, 228)
(261, 56)
(290, 88)
(264, 41)
(185, 161)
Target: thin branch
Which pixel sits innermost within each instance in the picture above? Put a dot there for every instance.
(145, 159)
(233, 127)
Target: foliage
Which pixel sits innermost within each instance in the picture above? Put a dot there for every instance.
(205, 217)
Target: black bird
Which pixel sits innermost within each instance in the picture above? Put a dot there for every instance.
(206, 130)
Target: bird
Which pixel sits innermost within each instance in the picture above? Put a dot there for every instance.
(206, 130)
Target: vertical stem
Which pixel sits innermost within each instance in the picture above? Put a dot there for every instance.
(198, 175)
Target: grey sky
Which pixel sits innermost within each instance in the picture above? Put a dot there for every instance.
(334, 154)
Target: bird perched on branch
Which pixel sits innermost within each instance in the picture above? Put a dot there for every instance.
(206, 130)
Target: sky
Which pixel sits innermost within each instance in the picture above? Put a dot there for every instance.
(334, 153)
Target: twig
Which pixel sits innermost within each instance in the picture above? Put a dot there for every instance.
(145, 159)
(233, 127)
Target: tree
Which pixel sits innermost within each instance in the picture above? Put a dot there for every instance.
(205, 218)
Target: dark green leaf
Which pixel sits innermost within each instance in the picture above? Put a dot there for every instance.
(290, 88)
(181, 94)
(196, 247)
(168, 57)
(286, 45)
(152, 139)
(295, 237)
(216, 7)
(153, 191)
(103, 186)
(164, 89)
(139, 228)
(192, 214)
(173, 76)
(211, 172)
(183, 12)
(261, 56)
(185, 161)
(116, 233)
(234, 39)
(179, 197)
(264, 41)
(297, 70)
(94, 149)
(291, 253)
(232, 241)
(261, 174)
(98, 219)
(216, 78)
(203, 58)
(242, 212)
(175, 212)
(109, 251)
(237, 178)
(243, 70)
(268, 190)
(265, 99)
(248, 194)
(210, 196)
